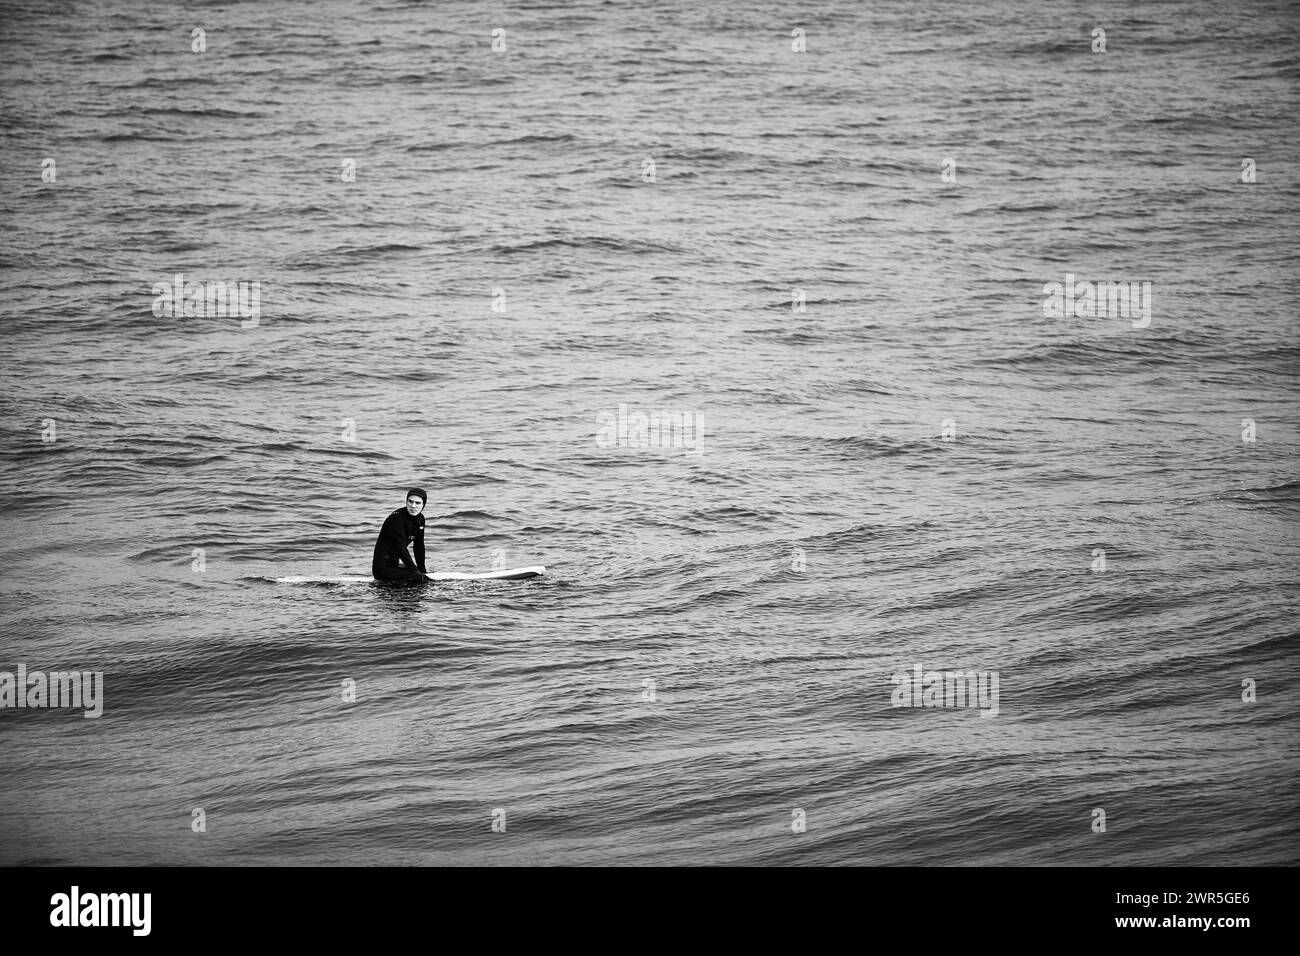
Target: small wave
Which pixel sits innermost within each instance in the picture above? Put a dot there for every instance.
(1285, 492)
(634, 246)
(477, 515)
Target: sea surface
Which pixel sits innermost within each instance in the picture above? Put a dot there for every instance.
(829, 264)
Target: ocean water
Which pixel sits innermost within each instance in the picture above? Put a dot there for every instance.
(828, 266)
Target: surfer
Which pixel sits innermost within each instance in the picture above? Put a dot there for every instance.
(402, 529)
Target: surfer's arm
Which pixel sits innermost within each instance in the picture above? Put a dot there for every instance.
(419, 551)
(394, 536)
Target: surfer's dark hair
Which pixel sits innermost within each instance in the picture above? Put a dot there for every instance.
(418, 493)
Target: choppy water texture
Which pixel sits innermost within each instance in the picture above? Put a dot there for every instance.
(774, 171)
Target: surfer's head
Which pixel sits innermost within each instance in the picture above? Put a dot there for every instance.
(415, 499)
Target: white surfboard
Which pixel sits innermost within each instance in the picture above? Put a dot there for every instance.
(512, 574)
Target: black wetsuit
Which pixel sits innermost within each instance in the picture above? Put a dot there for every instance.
(392, 560)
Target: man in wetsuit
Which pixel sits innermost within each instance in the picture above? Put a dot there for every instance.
(402, 528)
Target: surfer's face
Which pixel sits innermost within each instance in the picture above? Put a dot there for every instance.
(414, 505)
